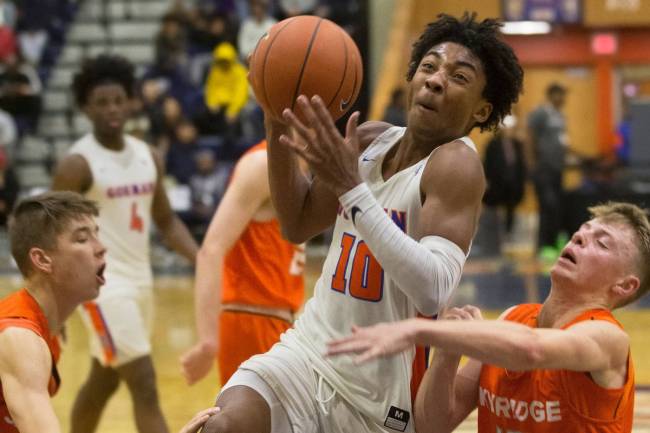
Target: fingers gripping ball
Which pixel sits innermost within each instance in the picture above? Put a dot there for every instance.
(306, 55)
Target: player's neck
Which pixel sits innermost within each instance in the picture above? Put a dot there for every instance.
(112, 142)
(560, 309)
(43, 293)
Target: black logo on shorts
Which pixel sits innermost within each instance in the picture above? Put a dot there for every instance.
(397, 418)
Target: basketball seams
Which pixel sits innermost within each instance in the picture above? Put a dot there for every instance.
(304, 63)
(266, 56)
(343, 75)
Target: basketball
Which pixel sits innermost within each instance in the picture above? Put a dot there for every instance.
(306, 55)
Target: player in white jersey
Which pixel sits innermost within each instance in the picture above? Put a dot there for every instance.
(405, 203)
(124, 176)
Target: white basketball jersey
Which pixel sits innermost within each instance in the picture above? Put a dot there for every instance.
(354, 290)
(123, 185)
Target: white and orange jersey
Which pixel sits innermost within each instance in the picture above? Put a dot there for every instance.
(354, 290)
(123, 184)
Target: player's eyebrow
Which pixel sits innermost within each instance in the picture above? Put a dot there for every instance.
(464, 63)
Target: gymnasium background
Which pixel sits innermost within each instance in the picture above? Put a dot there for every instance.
(598, 49)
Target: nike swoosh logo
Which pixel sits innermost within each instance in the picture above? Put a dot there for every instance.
(9, 421)
(353, 212)
(345, 103)
(365, 159)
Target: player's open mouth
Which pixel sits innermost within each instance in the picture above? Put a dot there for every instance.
(568, 255)
(100, 274)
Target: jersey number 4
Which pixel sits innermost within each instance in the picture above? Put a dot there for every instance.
(136, 220)
(366, 280)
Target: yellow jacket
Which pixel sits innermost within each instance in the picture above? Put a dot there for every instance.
(226, 86)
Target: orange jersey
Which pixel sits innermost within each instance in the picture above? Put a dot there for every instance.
(20, 310)
(546, 401)
(262, 268)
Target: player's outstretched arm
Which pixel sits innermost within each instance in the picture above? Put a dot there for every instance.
(246, 193)
(172, 229)
(25, 369)
(595, 346)
(72, 174)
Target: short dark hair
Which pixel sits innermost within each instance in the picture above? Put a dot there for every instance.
(37, 222)
(104, 69)
(636, 219)
(503, 73)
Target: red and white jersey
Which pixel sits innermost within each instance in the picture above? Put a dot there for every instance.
(123, 184)
(354, 290)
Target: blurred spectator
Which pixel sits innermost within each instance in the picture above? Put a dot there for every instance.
(32, 42)
(8, 132)
(505, 171)
(226, 92)
(165, 126)
(548, 134)
(254, 27)
(206, 34)
(8, 14)
(623, 136)
(171, 43)
(181, 156)
(291, 8)
(138, 124)
(395, 113)
(20, 93)
(152, 93)
(8, 44)
(207, 186)
(9, 188)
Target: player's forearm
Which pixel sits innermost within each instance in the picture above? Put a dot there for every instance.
(426, 271)
(28, 420)
(178, 238)
(207, 300)
(435, 401)
(506, 344)
(290, 188)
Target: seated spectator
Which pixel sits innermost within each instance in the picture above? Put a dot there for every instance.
(8, 133)
(32, 42)
(9, 14)
(226, 93)
(20, 93)
(181, 156)
(165, 122)
(171, 43)
(9, 188)
(204, 35)
(254, 27)
(8, 43)
(207, 186)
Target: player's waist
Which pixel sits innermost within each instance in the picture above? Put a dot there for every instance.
(279, 313)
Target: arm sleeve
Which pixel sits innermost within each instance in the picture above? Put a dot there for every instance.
(426, 271)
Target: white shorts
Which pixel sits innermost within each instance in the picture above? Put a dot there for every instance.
(119, 325)
(306, 398)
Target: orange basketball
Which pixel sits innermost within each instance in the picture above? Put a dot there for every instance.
(306, 55)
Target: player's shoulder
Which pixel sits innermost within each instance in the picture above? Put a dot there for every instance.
(369, 131)
(458, 159)
(20, 341)
(253, 160)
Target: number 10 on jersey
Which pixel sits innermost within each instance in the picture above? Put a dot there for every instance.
(366, 280)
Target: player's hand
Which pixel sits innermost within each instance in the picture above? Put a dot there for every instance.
(197, 362)
(468, 312)
(199, 419)
(376, 341)
(331, 157)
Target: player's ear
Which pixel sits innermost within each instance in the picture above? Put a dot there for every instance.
(41, 260)
(483, 111)
(627, 286)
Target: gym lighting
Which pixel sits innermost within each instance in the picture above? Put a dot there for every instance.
(526, 28)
